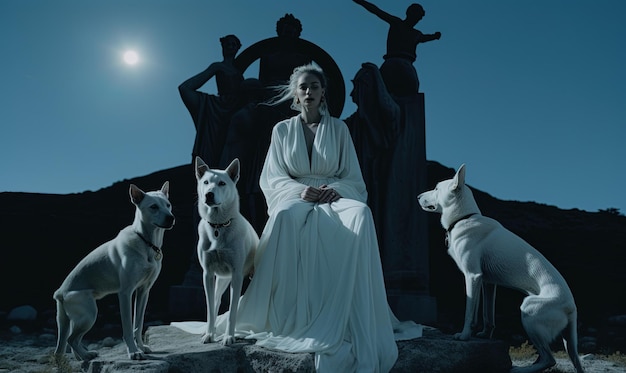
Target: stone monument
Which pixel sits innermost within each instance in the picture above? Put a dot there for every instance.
(389, 135)
(402, 228)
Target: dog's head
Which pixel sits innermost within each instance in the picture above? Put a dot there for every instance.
(153, 207)
(217, 187)
(451, 198)
(445, 195)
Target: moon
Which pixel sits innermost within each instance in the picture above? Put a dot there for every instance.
(131, 57)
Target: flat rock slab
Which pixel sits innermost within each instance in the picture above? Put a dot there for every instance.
(177, 351)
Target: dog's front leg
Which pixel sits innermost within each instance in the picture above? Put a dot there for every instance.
(473, 283)
(235, 292)
(125, 299)
(489, 310)
(209, 286)
(141, 301)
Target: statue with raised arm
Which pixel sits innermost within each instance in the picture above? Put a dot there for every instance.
(211, 113)
(402, 39)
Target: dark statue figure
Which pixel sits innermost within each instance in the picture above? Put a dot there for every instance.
(276, 66)
(402, 40)
(375, 127)
(388, 135)
(211, 113)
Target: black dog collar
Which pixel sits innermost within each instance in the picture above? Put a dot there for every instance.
(159, 253)
(451, 227)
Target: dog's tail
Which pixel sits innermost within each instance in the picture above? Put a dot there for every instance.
(570, 340)
(63, 325)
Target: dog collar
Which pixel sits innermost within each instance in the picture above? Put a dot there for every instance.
(451, 227)
(159, 253)
(217, 226)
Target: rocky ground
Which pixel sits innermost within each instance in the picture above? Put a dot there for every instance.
(32, 352)
(27, 341)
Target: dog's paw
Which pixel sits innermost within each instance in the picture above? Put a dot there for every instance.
(462, 337)
(227, 340)
(137, 355)
(208, 338)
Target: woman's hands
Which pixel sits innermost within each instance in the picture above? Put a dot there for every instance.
(323, 194)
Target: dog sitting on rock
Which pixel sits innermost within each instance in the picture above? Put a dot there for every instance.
(488, 255)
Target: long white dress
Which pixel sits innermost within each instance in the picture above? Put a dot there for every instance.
(318, 284)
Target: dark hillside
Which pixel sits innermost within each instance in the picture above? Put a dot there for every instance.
(45, 235)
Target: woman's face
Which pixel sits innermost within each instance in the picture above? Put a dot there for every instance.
(309, 91)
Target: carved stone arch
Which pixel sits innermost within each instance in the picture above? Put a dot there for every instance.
(336, 85)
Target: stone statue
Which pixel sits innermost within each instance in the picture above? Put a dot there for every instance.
(276, 66)
(402, 40)
(375, 128)
(398, 163)
(211, 113)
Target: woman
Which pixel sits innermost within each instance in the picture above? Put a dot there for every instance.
(318, 284)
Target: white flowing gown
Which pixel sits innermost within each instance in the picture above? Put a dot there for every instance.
(318, 284)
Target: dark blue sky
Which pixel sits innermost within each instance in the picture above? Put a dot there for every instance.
(530, 95)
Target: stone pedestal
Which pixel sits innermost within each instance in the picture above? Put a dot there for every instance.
(177, 351)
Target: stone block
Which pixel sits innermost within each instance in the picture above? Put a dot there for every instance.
(176, 351)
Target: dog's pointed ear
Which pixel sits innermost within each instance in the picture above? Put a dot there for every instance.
(200, 167)
(136, 194)
(165, 189)
(233, 170)
(459, 178)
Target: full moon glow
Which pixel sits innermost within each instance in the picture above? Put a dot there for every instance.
(131, 57)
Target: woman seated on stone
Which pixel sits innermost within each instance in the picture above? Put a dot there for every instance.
(318, 283)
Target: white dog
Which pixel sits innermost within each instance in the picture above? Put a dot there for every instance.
(129, 263)
(227, 243)
(488, 255)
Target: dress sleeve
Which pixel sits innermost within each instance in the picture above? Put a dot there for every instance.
(275, 181)
(349, 180)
